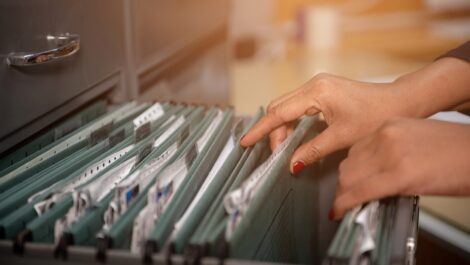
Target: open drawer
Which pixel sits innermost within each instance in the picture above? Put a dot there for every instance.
(168, 183)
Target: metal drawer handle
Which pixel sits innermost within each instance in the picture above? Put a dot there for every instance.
(67, 45)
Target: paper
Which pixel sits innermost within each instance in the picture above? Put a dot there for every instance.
(150, 115)
(171, 130)
(128, 190)
(237, 201)
(229, 146)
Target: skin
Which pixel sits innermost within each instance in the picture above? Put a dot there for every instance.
(359, 112)
(405, 157)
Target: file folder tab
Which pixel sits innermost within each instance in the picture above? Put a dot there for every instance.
(100, 134)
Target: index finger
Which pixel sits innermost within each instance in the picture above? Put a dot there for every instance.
(283, 112)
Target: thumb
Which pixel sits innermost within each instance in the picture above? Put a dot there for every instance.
(321, 145)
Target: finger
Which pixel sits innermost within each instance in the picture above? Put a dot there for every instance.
(277, 136)
(323, 144)
(290, 129)
(284, 112)
(284, 97)
(362, 145)
(361, 163)
(292, 94)
(280, 134)
(373, 188)
(350, 175)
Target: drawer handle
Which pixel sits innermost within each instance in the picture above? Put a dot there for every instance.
(67, 45)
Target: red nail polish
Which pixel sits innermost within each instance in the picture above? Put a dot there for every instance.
(297, 167)
(331, 214)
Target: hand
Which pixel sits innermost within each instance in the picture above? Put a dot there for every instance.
(405, 157)
(351, 109)
(354, 109)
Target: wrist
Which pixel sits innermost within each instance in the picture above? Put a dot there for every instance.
(442, 85)
(405, 99)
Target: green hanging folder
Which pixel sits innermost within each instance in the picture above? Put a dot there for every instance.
(12, 223)
(84, 231)
(123, 227)
(46, 222)
(140, 145)
(192, 116)
(193, 218)
(209, 241)
(69, 145)
(124, 223)
(340, 235)
(93, 221)
(190, 186)
(42, 229)
(20, 186)
(82, 118)
(268, 226)
(199, 244)
(19, 193)
(58, 146)
(215, 241)
(279, 224)
(16, 199)
(198, 241)
(396, 220)
(118, 236)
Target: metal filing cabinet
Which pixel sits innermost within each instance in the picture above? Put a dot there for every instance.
(124, 47)
(177, 41)
(61, 55)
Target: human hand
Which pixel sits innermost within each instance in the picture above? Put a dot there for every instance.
(405, 157)
(351, 109)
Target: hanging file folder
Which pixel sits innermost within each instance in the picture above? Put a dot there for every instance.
(185, 227)
(166, 182)
(32, 148)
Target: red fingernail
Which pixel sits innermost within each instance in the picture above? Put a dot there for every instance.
(331, 214)
(297, 167)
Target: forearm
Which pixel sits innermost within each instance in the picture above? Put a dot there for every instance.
(442, 85)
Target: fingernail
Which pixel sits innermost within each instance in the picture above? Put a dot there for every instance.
(331, 214)
(297, 167)
(241, 138)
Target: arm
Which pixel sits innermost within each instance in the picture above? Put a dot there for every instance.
(443, 85)
(355, 109)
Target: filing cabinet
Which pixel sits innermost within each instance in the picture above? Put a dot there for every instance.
(163, 27)
(83, 41)
(174, 39)
(119, 48)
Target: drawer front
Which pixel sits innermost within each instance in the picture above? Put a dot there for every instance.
(203, 80)
(28, 92)
(163, 26)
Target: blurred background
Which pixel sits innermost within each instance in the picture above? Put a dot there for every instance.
(277, 45)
